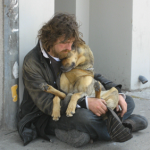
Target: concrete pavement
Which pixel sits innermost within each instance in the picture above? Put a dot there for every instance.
(10, 140)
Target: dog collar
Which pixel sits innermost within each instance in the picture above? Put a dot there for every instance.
(90, 69)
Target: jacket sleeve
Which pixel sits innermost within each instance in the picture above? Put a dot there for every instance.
(32, 79)
(107, 83)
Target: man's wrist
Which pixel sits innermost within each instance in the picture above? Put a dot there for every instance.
(86, 102)
(123, 95)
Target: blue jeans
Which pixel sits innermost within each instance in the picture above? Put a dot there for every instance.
(85, 121)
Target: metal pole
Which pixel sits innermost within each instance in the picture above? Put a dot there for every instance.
(11, 59)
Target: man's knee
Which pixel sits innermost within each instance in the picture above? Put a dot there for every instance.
(87, 122)
(84, 116)
(130, 107)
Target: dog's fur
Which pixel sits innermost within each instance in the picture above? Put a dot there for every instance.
(78, 78)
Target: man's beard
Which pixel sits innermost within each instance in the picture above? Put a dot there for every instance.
(60, 55)
(55, 54)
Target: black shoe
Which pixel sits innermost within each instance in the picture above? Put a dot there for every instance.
(117, 131)
(137, 122)
(72, 137)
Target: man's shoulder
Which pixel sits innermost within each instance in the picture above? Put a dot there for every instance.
(32, 61)
(33, 54)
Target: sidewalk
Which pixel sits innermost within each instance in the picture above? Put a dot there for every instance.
(141, 140)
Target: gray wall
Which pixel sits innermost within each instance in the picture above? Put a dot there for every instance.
(1, 63)
(81, 9)
(111, 39)
(68, 6)
(119, 37)
(82, 14)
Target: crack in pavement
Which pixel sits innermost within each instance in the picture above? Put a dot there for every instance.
(139, 97)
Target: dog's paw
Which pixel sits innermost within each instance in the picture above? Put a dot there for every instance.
(43, 86)
(70, 111)
(69, 114)
(56, 116)
(97, 86)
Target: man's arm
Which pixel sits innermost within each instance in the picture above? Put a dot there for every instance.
(98, 106)
(32, 78)
(122, 103)
(107, 83)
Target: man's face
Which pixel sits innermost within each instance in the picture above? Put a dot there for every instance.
(61, 48)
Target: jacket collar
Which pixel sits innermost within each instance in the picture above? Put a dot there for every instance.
(42, 60)
(39, 52)
(45, 54)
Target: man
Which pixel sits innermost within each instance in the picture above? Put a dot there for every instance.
(42, 65)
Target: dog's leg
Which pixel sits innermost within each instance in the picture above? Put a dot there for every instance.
(111, 97)
(56, 108)
(55, 92)
(97, 88)
(52, 90)
(73, 103)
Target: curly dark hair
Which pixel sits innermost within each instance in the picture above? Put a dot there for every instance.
(61, 25)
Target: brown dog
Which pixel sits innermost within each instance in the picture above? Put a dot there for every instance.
(77, 78)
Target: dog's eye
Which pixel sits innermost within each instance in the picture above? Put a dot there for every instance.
(73, 46)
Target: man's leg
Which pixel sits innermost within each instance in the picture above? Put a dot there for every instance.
(130, 107)
(85, 121)
(137, 122)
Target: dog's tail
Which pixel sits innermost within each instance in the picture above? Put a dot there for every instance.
(97, 87)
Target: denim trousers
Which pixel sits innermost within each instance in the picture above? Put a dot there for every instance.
(85, 121)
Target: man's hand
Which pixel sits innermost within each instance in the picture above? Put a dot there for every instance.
(97, 106)
(122, 104)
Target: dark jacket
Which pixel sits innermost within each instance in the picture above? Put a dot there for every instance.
(36, 107)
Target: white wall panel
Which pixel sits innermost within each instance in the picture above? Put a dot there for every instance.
(32, 15)
(140, 43)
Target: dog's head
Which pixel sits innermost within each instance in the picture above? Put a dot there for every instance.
(80, 57)
(69, 62)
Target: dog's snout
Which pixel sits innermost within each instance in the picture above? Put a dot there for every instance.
(67, 67)
(73, 64)
(63, 68)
